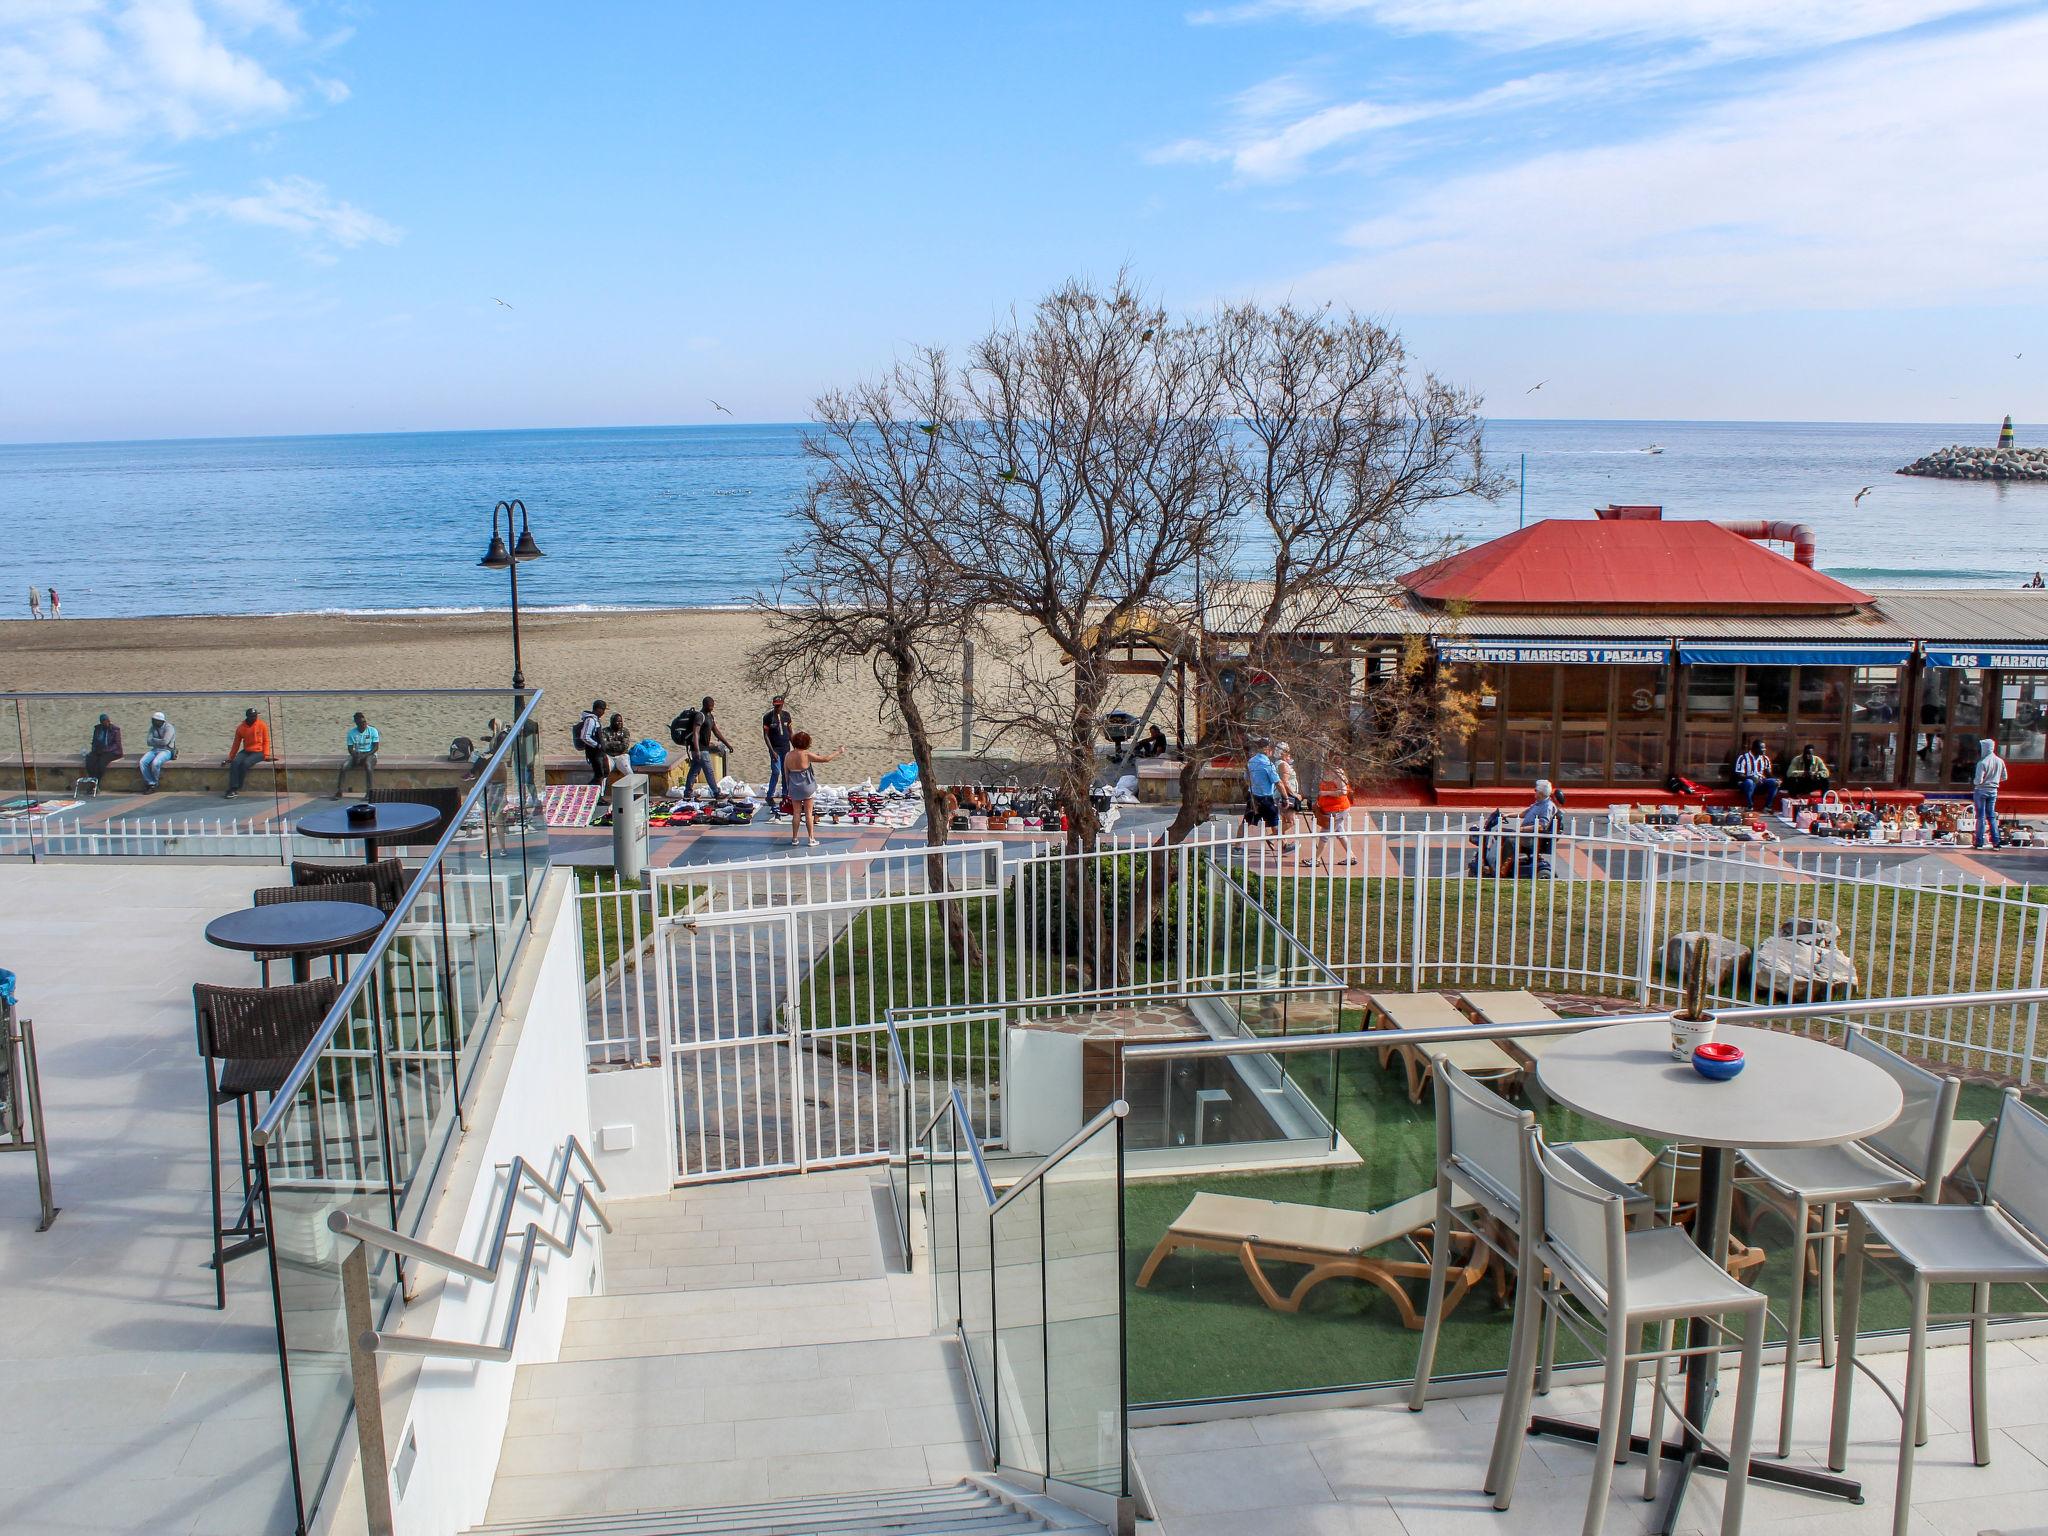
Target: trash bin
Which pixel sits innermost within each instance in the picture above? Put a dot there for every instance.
(629, 828)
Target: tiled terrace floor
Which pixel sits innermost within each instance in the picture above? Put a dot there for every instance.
(131, 1405)
(1382, 1471)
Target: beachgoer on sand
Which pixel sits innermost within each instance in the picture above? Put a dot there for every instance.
(56, 604)
(35, 601)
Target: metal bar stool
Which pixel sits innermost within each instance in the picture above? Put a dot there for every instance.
(2004, 1241)
(1620, 1283)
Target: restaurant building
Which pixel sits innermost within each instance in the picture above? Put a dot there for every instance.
(1615, 651)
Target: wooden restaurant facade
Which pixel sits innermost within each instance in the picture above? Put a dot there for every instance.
(1614, 652)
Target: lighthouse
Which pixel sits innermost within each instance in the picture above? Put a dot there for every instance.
(2005, 432)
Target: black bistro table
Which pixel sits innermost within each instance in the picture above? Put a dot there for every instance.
(301, 929)
(393, 819)
(1792, 1092)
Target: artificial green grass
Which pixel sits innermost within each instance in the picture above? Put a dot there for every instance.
(1200, 1331)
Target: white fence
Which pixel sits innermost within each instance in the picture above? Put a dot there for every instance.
(763, 986)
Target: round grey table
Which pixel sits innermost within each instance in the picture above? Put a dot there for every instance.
(1792, 1092)
(301, 929)
(394, 818)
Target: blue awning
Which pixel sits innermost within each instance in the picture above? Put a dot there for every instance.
(2021, 658)
(1794, 654)
(1591, 653)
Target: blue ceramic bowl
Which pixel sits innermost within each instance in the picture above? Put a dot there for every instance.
(1717, 1061)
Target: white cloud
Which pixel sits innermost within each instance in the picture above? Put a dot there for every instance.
(90, 69)
(303, 207)
(1721, 25)
(1884, 179)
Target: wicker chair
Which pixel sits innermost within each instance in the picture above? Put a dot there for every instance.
(249, 1038)
(388, 876)
(270, 895)
(447, 801)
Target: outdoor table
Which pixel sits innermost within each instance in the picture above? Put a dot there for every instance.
(301, 929)
(394, 818)
(1792, 1092)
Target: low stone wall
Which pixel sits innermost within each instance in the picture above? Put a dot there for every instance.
(1958, 462)
(205, 773)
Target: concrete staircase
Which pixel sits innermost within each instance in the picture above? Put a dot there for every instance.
(755, 1341)
(968, 1508)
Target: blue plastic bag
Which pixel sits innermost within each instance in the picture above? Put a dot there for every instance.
(648, 753)
(903, 776)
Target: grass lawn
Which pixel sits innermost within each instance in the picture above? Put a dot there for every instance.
(609, 927)
(1199, 1330)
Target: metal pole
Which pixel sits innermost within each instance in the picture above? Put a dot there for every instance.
(1522, 516)
(518, 672)
(369, 1396)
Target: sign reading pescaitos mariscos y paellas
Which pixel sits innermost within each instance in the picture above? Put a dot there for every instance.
(1568, 654)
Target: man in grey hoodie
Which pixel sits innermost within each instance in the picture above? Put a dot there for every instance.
(158, 749)
(1984, 791)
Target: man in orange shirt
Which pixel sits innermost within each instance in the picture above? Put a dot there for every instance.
(251, 746)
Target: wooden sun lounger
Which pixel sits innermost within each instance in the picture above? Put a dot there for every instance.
(1335, 1244)
(1515, 1008)
(1481, 1059)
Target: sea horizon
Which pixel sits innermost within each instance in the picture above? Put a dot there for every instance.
(697, 517)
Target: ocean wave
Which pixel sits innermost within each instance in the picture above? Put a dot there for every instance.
(1919, 573)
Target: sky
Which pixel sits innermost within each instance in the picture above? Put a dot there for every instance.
(239, 217)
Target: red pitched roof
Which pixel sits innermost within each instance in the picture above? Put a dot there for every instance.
(1687, 566)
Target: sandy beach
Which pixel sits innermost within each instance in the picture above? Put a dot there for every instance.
(646, 663)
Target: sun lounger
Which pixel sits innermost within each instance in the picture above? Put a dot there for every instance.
(1515, 1008)
(1335, 1244)
(1481, 1059)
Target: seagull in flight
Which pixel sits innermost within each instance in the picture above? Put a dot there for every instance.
(500, 302)
(1536, 386)
(1861, 494)
(716, 406)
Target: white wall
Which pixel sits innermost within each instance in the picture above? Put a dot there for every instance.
(635, 1104)
(1042, 1097)
(530, 1102)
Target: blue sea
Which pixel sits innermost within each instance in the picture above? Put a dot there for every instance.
(697, 516)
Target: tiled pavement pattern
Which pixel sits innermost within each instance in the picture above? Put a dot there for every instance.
(1382, 1471)
(764, 1354)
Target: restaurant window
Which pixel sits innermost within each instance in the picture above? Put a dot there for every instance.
(1707, 756)
(1873, 758)
(1966, 724)
(1874, 698)
(1823, 693)
(1584, 695)
(1640, 713)
(1767, 695)
(1472, 757)
(2022, 723)
(1710, 691)
(1531, 707)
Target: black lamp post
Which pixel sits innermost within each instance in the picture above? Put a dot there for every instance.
(498, 558)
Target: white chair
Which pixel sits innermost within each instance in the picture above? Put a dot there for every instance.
(1908, 1159)
(1619, 1282)
(1479, 1139)
(2004, 1241)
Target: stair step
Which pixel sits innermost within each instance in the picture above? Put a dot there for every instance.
(964, 1509)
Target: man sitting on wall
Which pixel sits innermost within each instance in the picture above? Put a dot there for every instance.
(1754, 777)
(1807, 774)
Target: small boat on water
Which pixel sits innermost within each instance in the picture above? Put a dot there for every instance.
(1654, 448)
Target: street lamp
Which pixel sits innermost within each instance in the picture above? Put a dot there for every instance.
(498, 558)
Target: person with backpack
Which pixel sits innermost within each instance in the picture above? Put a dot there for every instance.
(698, 736)
(589, 737)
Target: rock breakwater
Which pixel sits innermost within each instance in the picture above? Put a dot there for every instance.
(1958, 462)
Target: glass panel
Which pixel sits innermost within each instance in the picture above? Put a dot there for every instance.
(1584, 691)
(1873, 757)
(1531, 690)
(1767, 694)
(1527, 754)
(1084, 1343)
(1875, 696)
(1020, 1355)
(1582, 751)
(1486, 715)
(1708, 756)
(977, 1275)
(1710, 691)
(1638, 755)
(942, 1220)
(2022, 726)
(1823, 691)
(1930, 740)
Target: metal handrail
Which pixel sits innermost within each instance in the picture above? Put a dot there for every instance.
(286, 1098)
(1244, 894)
(957, 1107)
(1372, 1039)
(1101, 1118)
(373, 1235)
(257, 693)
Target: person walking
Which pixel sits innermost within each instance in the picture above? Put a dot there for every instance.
(158, 748)
(776, 728)
(704, 734)
(1262, 779)
(56, 604)
(590, 739)
(361, 743)
(1292, 806)
(1333, 810)
(35, 601)
(1984, 793)
(105, 748)
(800, 783)
(250, 747)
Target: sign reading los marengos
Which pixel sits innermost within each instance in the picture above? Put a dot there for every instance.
(1571, 655)
(2032, 660)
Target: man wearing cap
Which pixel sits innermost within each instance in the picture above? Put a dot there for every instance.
(776, 731)
(157, 749)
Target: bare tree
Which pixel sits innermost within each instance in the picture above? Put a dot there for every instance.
(1090, 456)
(866, 581)
(1339, 452)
